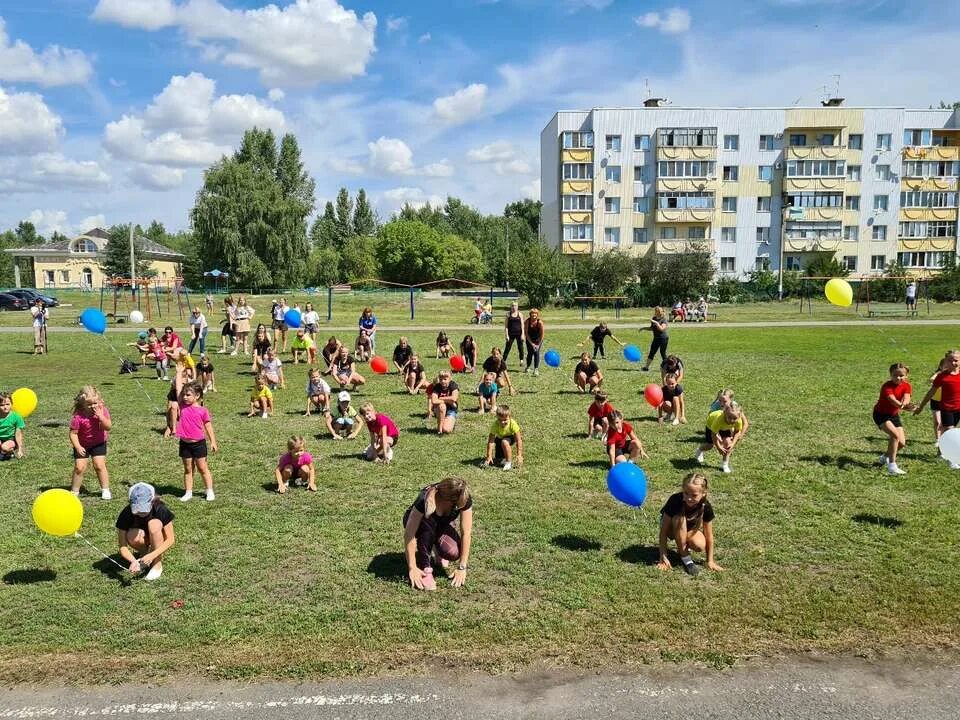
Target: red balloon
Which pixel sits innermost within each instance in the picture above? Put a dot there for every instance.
(653, 395)
(378, 364)
(457, 363)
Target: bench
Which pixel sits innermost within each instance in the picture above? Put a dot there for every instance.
(881, 313)
(119, 318)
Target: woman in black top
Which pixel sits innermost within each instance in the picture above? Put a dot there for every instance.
(534, 329)
(658, 326)
(597, 336)
(330, 352)
(428, 527)
(586, 372)
(513, 332)
(261, 343)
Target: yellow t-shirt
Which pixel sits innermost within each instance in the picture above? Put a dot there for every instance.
(717, 422)
(188, 362)
(304, 343)
(258, 394)
(501, 431)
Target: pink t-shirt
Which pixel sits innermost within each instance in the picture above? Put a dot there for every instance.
(192, 419)
(382, 421)
(173, 341)
(288, 460)
(89, 430)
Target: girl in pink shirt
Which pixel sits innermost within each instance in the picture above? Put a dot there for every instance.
(383, 434)
(194, 428)
(89, 430)
(295, 464)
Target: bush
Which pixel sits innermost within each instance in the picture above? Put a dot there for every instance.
(727, 290)
(946, 286)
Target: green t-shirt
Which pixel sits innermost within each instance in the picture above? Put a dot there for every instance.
(10, 424)
(501, 431)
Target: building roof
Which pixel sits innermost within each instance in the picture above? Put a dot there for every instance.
(149, 247)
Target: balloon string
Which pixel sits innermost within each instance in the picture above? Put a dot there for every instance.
(101, 552)
(135, 378)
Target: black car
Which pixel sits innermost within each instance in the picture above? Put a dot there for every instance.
(11, 302)
(30, 296)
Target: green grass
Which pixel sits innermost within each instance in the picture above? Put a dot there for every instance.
(822, 550)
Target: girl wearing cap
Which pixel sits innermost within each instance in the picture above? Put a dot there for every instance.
(344, 421)
(145, 529)
(428, 532)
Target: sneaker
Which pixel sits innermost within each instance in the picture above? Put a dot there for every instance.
(166, 379)
(186, 497)
(726, 468)
(528, 370)
(155, 572)
(428, 582)
(389, 454)
(894, 469)
(691, 568)
(699, 457)
(882, 460)
(233, 352)
(75, 493)
(210, 496)
(264, 415)
(508, 466)
(105, 494)
(536, 373)
(221, 351)
(675, 422)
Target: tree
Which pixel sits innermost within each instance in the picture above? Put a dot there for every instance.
(323, 266)
(605, 273)
(364, 221)
(539, 273)
(411, 252)
(58, 237)
(185, 243)
(527, 210)
(344, 218)
(426, 214)
(8, 239)
(323, 232)
(358, 259)
(116, 260)
(156, 232)
(27, 234)
(463, 259)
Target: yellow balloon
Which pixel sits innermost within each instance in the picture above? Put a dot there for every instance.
(839, 292)
(58, 512)
(24, 401)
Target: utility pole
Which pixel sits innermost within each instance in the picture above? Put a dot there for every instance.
(506, 239)
(133, 267)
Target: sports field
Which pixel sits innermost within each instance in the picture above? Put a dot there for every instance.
(822, 550)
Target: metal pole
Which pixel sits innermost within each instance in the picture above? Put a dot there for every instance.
(783, 225)
(506, 239)
(411, 302)
(133, 266)
(329, 303)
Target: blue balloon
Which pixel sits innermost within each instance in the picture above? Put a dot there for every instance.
(94, 320)
(552, 358)
(627, 483)
(632, 353)
(292, 318)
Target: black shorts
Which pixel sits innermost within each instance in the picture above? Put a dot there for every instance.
(95, 451)
(279, 325)
(311, 328)
(934, 405)
(597, 422)
(172, 393)
(227, 330)
(193, 450)
(708, 435)
(880, 419)
(949, 418)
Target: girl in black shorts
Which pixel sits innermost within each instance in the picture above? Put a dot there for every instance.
(658, 326)
(894, 397)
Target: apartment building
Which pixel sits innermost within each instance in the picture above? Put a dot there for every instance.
(759, 187)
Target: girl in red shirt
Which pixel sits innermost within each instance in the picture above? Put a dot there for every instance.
(948, 382)
(894, 397)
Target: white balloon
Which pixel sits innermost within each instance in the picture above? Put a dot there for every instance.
(950, 445)
(136, 316)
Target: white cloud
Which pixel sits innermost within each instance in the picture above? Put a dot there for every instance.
(670, 22)
(304, 43)
(512, 167)
(27, 125)
(391, 155)
(156, 177)
(396, 23)
(19, 63)
(346, 166)
(438, 169)
(494, 152)
(394, 199)
(531, 190)
(425, 38)
(464, 105)
(276, 95)
(91, 222)
(49, 221)
(53, 170)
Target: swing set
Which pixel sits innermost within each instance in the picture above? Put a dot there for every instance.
(127, 295)
(867, 304)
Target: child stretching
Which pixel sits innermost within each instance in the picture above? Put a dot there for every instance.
(303, 346)
(687, 519)
(429, 529)
(948, 382)
(205, 370)
(487, 393)
(894, 397)
(261, 399)
(597, 336)
(725, 428)
(295, 464)
(194, 428)
(673, 407)
(598, 416)
(444, 348)
(318, 394)
(384, 435)
(504, 434)
(414, 375)
(344, 421)
(11, 429)
(622, 442)
(586, 372)
(89, 430)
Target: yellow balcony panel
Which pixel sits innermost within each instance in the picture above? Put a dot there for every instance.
(851, 187)
(815, 152)
(577, 247)
(935, 152)
(810, 184)
(671, 152)
(927, 244)
(817, 214)
(577, 156)
(686, 184)
(927, 214)
(933, 183)
(832, 244)
(576, 187)
(683, 245)
(667, 215)
(577, 217)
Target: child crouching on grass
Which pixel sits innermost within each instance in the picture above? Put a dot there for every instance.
(295, 465)
(194, 428)
(598, 416)
(318, 394)
(89, 430)
(687, 519)
(261, 399)
(145, 531)
(622, 442)
(205, 370)
(384, 435)
(11, 429)
(725, 428)
(487, 393)
(672, 407)
(504, 434)
(429, 532)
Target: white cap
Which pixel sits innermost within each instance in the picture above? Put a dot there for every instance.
(141, 497)
(344, 396)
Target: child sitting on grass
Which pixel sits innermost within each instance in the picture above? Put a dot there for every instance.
(145, 531)
(295, 465)
(444, 348)
(344, 420)
(672, 407)
(725, 428)
(687, 519)
(622, 442)
(89, 430)
(318, 393)
(261, 399)
(487, 393)
(384, 435)
(303, 346)
(11, 429)
(598, 416)
(504, 434)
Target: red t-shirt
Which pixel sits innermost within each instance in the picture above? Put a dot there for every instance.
(949, 391)
(619, 439)
(893, 390)
(603, 411)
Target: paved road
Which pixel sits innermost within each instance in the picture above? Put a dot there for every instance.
(890, 689)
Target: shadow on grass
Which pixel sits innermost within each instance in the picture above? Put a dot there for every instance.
(270, 487)
(640, 554)
(472, 462)
(53, 423)
(575, 543)
(692, 439)
(170, 490)
(595, 463)
(29, 576)
(421, 430)
(879, 520)
(346, 456)
(644, 419)
(684, 463)
(390, 566)
(112, 572)
(841, 462)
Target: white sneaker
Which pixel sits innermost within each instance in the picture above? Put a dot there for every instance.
(894, 469)
(234, 352)
(676, 421)
(263, 415)
(155, 572)
(105, 494)
(210, 496)
(389, 454)
(508, 466)
(699, 458)
(186, 497)
(75, 493)
(726, 468)
(536, 373)
(883, 460)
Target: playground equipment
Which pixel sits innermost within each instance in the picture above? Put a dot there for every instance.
(128, 295)
(866, 299)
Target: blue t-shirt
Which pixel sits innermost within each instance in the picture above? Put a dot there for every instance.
(368, 323)
(488, 392)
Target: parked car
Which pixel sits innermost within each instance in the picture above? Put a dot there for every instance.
(30, 296)
(11, 302)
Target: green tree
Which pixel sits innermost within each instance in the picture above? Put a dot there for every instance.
(58, 237)
(27, 234)
(427, 214)
(156, 232)
(463, 259)
(344, 208)
(605, 273)
(185, 243)
(411, 252)
(527, 210)
(116, 260)
(364, 220)
(323, 266)
(323, 232)
(539, 273)
(358, 259)
(8, 239)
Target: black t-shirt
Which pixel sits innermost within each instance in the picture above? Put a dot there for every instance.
(260, 347)
(514, 325)
(329, 353)
(534, 332)
(671, 393)
(440, 392)
(128, 521)
(205, 367)
(420, 504)
(341, 365)
(675, 506)
(494, 365)
(467, 350)
(599, 333)
(417, 371)
(402, 354)
(591, 368)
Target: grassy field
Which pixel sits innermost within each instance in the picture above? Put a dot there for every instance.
(822, 550)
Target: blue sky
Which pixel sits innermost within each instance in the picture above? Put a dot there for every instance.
(110, 109)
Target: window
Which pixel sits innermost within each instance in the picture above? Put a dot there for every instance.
(696, 232)
(928, 199)
(611, 205)
(640, 173)
(65, 276)
(578, 202)
(880, 232)
(639, 235)
(668, 233)
(768, 142)
(852, 202)
(850, 262)
(85, 246)
(728, 234)
(613, 173)
(731, 173)
(853, 173)
(692, 168)
(49, 275)
(765, 173)
(926, 259)
(815, 199)
(855, 141)
(731, 142)
(930, 229)
(687, 137)
(918, 137)
(578, 171)
(763, 235)
(927, 169)
(611, 236)
(761, 263)
(728, 264)
(878, 262)
(792, 262)
(812, 230)
(574, 140)
(881, 202)
(641, 142)
(883, 172)
(883, 141)
(613, 143)
(730, 204)
(685, 201)
(826, 139)
(815, 168)
(851, 233)
(798, 140)
(763, 204)
(641, 204)
(578, 232)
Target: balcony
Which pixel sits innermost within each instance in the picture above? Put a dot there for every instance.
(683, 245)
(576, 187)
(576, 217)
(687, 184)
(685, 215)
(936, 244)
(683, 152)
(576, 247)
(928, 183)
(928, 214)
(826, 243)
(931, 152)
(582, 155)
(814, 152)
(814, 214)
(812, 184)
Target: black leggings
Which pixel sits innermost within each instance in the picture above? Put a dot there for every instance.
(598, 348)
(533, 355)
(428, 538)
(659, 343)
(510, 340)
